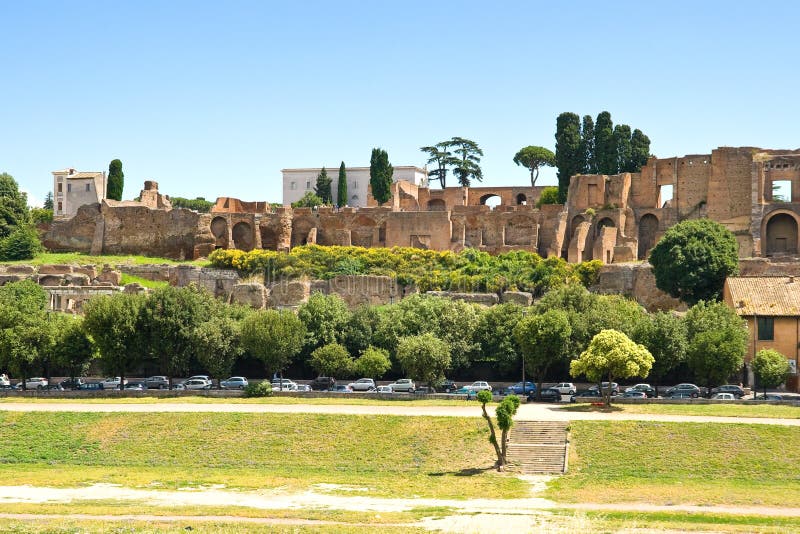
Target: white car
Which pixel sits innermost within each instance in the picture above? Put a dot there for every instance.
(283, 384)
(36, 383)
(112, 382)
(362, 384)
(382, 389)
(234, 382)
(479, 385)
(201, 377)
(196, 383)
(402, 385)
(4, 381)
(723, 396)
(565, 388)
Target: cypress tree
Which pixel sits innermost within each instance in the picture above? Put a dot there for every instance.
(622, 139)
(116, 180)
(569, 159)
(380, 176)
(604, 147)
(587, 145)
(640, 150)
(341, 190)
(323, 187)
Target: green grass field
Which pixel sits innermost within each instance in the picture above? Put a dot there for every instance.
(712, 410)
(352, 400)
(672, 463)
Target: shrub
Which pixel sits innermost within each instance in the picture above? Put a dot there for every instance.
(549, 196)
(260, 389)
(22, 244)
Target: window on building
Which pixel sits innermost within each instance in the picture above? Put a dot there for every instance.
(766, 328)
(69, 188)
(355, 185)
(60, 189)
(293, 186)
(88, 187)
(60, 208)
(354, 197)
(308, 184)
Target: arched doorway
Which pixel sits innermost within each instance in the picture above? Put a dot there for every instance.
(648, 229)
(576, 221)
(522, 200)
(269, 239)
(437, 204)
(242, 236)
(491, 200)
(219, 229)
(300, 231)
(604, 222)
(781, 235)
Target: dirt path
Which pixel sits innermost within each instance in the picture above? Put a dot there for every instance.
(526, 412)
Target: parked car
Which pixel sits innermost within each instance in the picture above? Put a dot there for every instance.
(733, 389)
(71, 383)
(234, 382)
(157, 382)
(690, 389)
(723, 396)
(480, 385)
(589, 395)
(341, 388)
(195, 383)
(548, 395)
(448, 386)
(36, 383)
(362, 384)
(566, 388)
(634, 394)
(769, 397)
(91, 386)
(283, 384)
(136, 386)
(322, 383)
(303, 388)
(520, 389)
(648, 390)
(4, 381)
(402, 385)
(383, 389)
(112, 382)
(53, 387)
(682, 395)
(604, 387)
(206, 378)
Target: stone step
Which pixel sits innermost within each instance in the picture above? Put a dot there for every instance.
(538, 446)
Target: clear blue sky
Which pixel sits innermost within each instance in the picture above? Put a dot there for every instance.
(215, 98)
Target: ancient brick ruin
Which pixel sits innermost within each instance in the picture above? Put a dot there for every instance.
(614, 219)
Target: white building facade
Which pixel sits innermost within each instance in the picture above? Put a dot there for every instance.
(298, 182)
(73, 189)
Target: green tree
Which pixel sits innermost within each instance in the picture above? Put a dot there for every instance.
(505, 420)
(359, 332)
(341, 188)
(605, 148)
(543, 340)
(587, 146)
(116, 180)
(569, 157)
(640, 150)
(73, 350)
(533, 157)
(217, 343)
(611, 354)
(40, 216)
(373, 363)
(380, 176)
(467, 160)
(25, 332)
(664, 335)
(13, 205)
(48, 201)
(549, 196)
(440, 158)
(717, 342)
(770, 368)
(113, 323)
(325, 318)
(323, 187)
(424, 358)
(693, 259)
(274, 337)
(309, 200)
(198, 204)
(494, 334)
(332, 360)
(622, 141)
(22, 244)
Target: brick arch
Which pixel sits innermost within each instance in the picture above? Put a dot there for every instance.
(300, 230)
(648, 230)
(219, 228)
(780, 233)
(437, 204)
(602, 223)
(242, 234)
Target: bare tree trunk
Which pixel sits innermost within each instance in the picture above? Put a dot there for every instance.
(493, 439)
(503, 447)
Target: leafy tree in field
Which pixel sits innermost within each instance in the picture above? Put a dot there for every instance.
(341, 188)
(72, 349)
(468, 158)
(543, 340)
(717, 341)
(48, 201)
(197, 204)
(664, 335)
(549, 196)
(323, 187)
(615, 312)
(587, 146)
(113, 323)
(770, 368)
(611, 354)
(325, 318)
(640, 150)
(22, 244)
(424, 358)
(505, 420)
(309, 200)
(622, 141)
(579, 305)
(359, 332)
(440, 158)
(25, 333)
(373, 363)
(274, 337)
(380, 176)
(13, 205)
(217, 343)
(494, 334)
(605, 148)
(693, 259)
(41, 215)
(332, 360)
(569, 157)
(116, 180)
(533, 157)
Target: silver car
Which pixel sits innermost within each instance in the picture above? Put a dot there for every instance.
(234, 382)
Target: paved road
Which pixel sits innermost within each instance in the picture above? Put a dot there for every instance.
(526, 412)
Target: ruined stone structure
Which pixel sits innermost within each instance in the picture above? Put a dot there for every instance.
(614, 219)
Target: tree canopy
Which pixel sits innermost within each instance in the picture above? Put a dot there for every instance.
(770, 368)
(440, 157)
(341, 187)
(309, 200)
(116, 180)
(717, 342)
(569, 156)
(332, 360)
(693, 259)
(274, 337)
(543, 340)
(323, 187)
(467, 160)
(380, 176)
(534, 157)
(424, 358)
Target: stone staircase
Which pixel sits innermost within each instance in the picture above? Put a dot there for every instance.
(539, 446)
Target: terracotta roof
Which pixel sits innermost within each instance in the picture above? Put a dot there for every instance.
(765, 295)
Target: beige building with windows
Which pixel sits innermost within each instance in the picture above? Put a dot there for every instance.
(298, 182)
(771, 307)
(73, 189)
